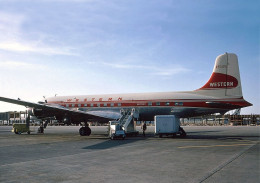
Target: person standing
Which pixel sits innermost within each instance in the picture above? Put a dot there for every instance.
(144, 128)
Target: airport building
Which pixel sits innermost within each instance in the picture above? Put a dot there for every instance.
(217, 120)
(8, 118)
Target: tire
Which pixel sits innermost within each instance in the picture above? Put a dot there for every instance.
(28, 132)
(88, 131)
(183, 135)
(82, 131)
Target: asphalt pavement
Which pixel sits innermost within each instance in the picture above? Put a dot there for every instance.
(208, 154)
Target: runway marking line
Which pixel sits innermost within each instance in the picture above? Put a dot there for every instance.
(221, 145)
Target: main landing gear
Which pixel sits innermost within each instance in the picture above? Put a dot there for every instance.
(85, 130)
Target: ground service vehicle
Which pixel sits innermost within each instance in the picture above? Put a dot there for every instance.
(19, 128)
(168, 125)
(116, 131)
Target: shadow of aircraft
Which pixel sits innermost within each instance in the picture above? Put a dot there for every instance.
(108, 144)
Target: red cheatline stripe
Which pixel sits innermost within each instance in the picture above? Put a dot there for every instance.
(157, 104)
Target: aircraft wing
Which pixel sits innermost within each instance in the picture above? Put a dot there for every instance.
(56, 109)
(21, 102)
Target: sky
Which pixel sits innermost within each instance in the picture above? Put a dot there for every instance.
(80, 47)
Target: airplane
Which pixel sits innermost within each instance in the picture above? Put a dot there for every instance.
(222, 92)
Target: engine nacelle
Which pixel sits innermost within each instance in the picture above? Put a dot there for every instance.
(66, 121)
(35, 112)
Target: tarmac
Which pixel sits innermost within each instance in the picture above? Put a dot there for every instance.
(221, 154)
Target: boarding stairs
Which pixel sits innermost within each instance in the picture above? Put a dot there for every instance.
(127, 120)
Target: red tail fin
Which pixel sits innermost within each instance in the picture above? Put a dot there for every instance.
(225, 79)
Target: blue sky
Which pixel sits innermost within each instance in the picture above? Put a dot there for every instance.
(72, 47)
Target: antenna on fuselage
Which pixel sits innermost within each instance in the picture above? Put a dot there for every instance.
(45, 99)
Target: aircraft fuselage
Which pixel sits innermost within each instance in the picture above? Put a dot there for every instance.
(181, 104)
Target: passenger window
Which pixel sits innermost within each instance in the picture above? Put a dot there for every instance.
(105, 104)
(98, 105)
(73, 105)
(157, 103)
(150, 103)
(112, 104)
(85, 105)
(67, 105)
(91, 105)
(119, 104)
(167, 103)
(178, 103)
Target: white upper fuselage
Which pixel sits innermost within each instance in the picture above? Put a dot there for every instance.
(183, 104)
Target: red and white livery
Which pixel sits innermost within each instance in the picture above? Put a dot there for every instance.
(222, 92)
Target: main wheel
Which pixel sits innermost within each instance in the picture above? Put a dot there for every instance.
(82, 131)
(88, 131)
(85, 131)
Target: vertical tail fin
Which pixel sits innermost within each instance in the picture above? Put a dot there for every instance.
(225, 79)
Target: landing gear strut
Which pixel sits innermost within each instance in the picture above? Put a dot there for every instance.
(85, 131)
